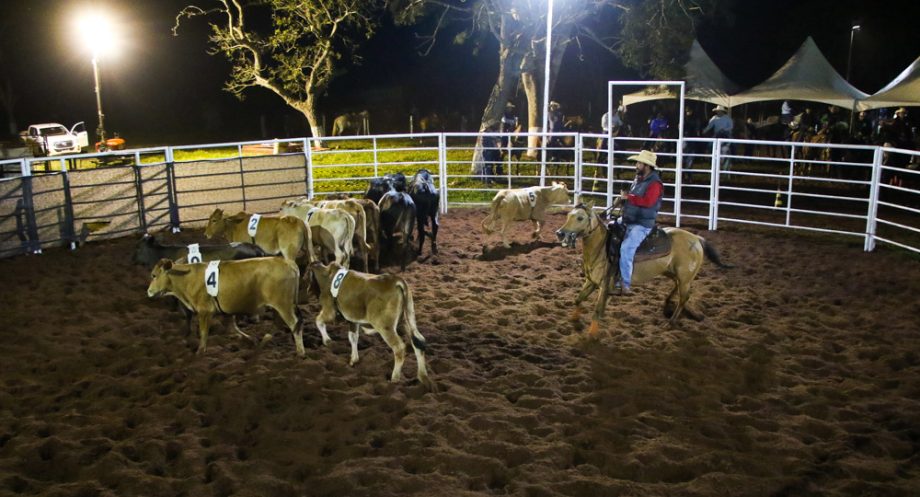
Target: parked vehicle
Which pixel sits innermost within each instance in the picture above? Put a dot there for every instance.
(51, 139)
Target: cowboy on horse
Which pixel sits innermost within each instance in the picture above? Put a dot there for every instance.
(641, 205)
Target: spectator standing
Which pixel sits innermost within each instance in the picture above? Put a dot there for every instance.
(693, 128)
(720, 126)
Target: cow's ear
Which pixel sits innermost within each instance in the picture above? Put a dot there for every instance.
(589, 205)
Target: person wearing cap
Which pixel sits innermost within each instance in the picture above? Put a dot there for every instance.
(640, 209)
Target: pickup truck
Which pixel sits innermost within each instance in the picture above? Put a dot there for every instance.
(50, 139)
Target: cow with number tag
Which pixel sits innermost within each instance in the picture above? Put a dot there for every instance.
(285, 235)
(149, 251)
(332, 229)
(523, 204)
(374, 303)
(233, 288)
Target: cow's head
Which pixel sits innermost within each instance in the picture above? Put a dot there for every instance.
(317, 276)
(145, 251)
(578, 222)
(159, 278)
(216, 224)
(558, 193)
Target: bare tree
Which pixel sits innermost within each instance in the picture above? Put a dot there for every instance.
(294, 55)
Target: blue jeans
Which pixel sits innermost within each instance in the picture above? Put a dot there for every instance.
(635, 233)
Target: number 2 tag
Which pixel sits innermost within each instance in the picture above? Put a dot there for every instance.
(212, 278)
(194, 254)
(253, 224)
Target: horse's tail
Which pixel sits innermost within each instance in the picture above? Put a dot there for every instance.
(713, 255)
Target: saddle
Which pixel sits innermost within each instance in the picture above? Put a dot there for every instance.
(656, 244)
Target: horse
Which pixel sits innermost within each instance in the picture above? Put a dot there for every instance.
(681, 263)
(353, 123)
(427, 201)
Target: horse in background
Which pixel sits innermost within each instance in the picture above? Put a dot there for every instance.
(427, 201)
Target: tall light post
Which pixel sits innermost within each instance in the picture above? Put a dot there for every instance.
(853, 31)
(98, 35)
(549, 44)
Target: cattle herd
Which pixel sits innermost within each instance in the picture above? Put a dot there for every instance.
(309, 247)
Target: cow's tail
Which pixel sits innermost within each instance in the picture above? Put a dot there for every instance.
(412, 334)
(307, 239)
(361, 228)
(490, 219)
(410, 328)
(713, 255)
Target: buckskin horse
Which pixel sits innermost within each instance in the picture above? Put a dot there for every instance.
(681, 263)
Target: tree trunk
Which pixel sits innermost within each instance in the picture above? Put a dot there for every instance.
(509, 73)
(308, 109)
(529, 80)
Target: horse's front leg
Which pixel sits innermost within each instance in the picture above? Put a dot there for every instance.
(599, 308)
(586, 289)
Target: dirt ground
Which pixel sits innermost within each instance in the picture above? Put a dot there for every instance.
(804, 379)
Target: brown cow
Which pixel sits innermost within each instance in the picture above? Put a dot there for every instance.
(376, 303)
(372, 221)
(286, 235)
(243, 287)
(522, 204)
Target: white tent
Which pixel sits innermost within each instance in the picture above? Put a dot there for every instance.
(902, 91)
(705, 82)
(808, 76)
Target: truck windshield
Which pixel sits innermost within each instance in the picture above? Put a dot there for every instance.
(54, 130)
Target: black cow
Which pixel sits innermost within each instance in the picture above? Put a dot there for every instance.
(397, 213)
(427, 200)
(149, 251)
(380, 186)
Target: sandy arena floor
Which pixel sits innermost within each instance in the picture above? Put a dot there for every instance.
(803, 380)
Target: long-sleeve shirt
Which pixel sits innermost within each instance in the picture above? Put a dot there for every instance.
(652, 193)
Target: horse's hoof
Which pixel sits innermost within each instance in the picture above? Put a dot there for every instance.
(594, 329)
(576, 315)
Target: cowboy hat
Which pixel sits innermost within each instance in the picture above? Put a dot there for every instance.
(554, 104)
(719, 108)
(509, 103)
(645, 157)
(901, 110)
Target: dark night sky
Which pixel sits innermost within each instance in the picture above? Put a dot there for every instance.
(167, 89)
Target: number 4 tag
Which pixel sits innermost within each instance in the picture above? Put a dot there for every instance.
(212, 278)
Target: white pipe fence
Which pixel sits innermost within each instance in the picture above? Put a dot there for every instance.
(849, 190)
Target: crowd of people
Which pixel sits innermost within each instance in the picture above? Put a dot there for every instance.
(831, 125)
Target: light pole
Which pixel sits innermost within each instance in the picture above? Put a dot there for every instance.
(100, 129)
(549, 44)
(98, 36)
(853, 31)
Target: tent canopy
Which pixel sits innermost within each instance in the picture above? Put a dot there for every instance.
(808, 76)
(705, 82)
(903, 90)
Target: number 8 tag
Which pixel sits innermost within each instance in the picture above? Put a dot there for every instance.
(212, 278)
(337, 282)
